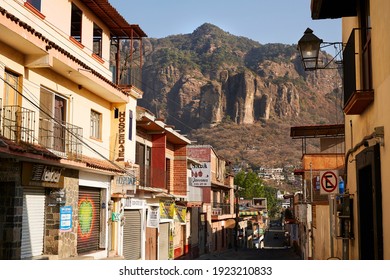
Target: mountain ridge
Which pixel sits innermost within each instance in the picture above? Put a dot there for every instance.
(210, 82)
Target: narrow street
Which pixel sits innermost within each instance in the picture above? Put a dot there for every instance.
(254, 254)
(273, 248)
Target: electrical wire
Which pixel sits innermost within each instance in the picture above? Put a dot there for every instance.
(69, 131)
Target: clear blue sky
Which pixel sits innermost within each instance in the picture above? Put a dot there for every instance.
(265, 21)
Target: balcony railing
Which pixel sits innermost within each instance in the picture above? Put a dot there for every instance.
(61, 137)
(153, 177)
(219, 209)
(17, 123)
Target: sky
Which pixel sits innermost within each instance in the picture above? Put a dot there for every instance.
(265, 21)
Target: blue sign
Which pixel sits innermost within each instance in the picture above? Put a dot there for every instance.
(65, 218)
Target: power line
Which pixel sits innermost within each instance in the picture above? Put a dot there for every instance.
(69, 131)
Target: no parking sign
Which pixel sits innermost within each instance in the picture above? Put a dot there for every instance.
(329, 181)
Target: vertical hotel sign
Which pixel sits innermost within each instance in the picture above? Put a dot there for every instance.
(121, 139)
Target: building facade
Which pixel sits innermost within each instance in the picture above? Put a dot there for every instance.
(154, 223)
(314, 210)
(66, 125)
(218, 216)
(366, 85)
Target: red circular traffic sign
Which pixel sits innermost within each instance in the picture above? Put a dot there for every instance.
(329, 181)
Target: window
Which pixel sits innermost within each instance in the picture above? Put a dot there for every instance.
(35, 3)
(97, 40)
(11, 87)
(365, 24)
(52, 120)
(76, 18)
(96, 122)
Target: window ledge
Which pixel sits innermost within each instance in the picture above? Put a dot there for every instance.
(98, 58)
(34, 10)
(77, 43)
(96, 139)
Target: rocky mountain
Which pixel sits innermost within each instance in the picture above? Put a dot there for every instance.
(236, 94)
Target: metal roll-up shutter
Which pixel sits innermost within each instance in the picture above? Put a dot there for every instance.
(33, 223)
(164, 242)
(88, 233)
(132, 235)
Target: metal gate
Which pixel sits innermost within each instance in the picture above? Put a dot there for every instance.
(132, 235)
(88, 233)
(33, 224)
(164, 242)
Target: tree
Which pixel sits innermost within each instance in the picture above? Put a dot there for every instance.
(252, 186)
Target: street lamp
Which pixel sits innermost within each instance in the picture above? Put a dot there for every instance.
(309, 48)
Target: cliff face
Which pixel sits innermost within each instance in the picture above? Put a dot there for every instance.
(209, 77)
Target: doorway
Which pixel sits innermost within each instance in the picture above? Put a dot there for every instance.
(369, 194)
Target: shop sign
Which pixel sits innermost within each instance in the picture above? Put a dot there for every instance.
(201, 174)
(153, 218)
(134, 203)
(42, 175)
(65, 218)
(124, 185)
(121, 140)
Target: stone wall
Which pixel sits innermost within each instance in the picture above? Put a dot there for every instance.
(11, 210)
(63, 244)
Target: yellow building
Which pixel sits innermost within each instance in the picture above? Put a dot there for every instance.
(367, 120)
(66, 125)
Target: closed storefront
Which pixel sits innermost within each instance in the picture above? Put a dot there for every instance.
(164, 241)
(132, 235)
(88, 235)
(33, 223)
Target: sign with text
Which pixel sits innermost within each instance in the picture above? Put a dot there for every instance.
(153, 218)
(201, 174)
(124, 184)
(65, 218)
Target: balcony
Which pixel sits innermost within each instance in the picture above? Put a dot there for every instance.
(61, 138)
(220, 209)
(357, 60)
(150, 177)
(17, 123)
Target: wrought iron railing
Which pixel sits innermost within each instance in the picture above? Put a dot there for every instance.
(17, 123)
(62, 138)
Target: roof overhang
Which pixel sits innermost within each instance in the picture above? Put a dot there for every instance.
(317, 131)
(330, 9)
(152, 125)
(118, 26)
